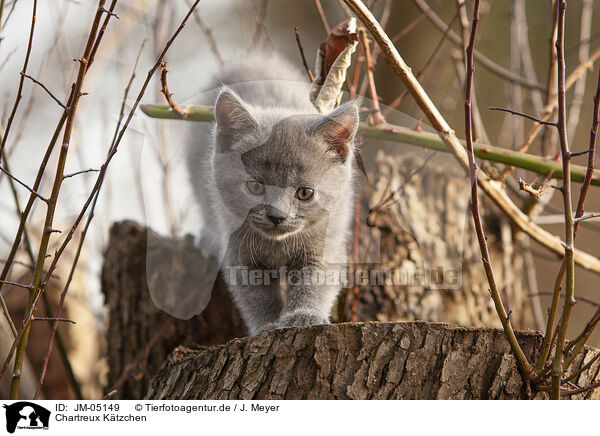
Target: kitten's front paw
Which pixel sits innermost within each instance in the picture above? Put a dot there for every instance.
(263, 329)
(302, 317)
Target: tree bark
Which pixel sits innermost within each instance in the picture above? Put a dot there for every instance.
(424, 236)
(404, 360)
(140, 335)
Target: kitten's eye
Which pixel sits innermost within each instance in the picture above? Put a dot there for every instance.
(304, 194)
(255, 188)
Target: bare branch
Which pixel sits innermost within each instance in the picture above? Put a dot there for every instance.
(398, 100)
(524, 115)
(322, 16)
(26, 186)
(21, 81)
(208, 32)
(76, 173)
(483, 60)
(17, 285)
(61, 104)
(557, 364)
(301, 49)
(587, 217)
(54, 319)
(165, 90)
(583, 54)
(377, 117)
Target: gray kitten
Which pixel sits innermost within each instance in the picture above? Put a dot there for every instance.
(275, 184)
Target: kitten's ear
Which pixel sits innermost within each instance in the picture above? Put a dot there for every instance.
(233, 119)
(337, 129)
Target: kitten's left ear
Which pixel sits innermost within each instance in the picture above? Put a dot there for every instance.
(337, 129)
(233, 118)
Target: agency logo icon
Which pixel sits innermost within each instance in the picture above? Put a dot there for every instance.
(26, 415)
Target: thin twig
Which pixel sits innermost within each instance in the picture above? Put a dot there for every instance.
(551, 106)
(522, 33)
(7, 59)
(591, 155)
(347, 12)
(25, 185)
(261, 27)
(590, 326)
(322, 17)
(60, 103)
(18, 285)
(165, 90)
(355, 247)
(76, 173)
(377, 117)
(2, 5)
(580, 371)
(590, 387)
(548, 138)
(386, 14)
(12, 8)
(479, 131)
(584, 53)
(21, 81)
(576, 345)
(582, 299)
(557, 364)
(398, 100)
(301, 49)
(487, 263)
(109, 14)
(36, 318)
(483, 60)
(524, 115)
(208, 32)
(586, 217)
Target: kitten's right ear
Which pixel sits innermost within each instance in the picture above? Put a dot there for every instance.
(337, 129)
(233, 119)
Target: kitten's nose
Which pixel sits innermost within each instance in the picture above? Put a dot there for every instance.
(276, 219)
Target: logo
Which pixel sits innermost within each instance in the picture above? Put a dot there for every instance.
(26, 415)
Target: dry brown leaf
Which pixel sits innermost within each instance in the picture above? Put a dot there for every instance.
(333, 59)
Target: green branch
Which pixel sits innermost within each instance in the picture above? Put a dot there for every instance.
(432, 141)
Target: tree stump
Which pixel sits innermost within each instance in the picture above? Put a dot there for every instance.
(140, 336)
(402, 360)
(421, 229)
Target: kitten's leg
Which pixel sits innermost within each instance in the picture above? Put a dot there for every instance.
(260, 306)
(308, 303)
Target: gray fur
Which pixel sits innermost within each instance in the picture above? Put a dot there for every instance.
(267, 130)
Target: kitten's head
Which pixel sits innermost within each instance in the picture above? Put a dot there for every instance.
(279, 172)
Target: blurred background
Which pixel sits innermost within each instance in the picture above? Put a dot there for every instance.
(144, 182)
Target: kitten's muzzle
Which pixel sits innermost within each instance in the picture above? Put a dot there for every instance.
(275, 215)
(276, 220)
